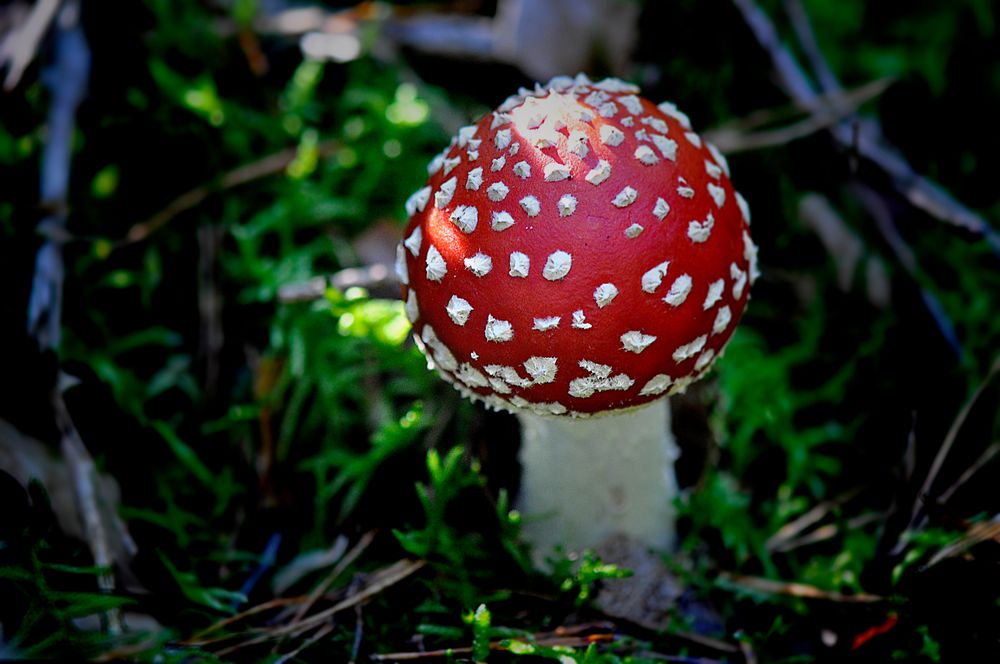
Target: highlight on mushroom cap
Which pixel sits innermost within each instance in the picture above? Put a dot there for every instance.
(578, 250)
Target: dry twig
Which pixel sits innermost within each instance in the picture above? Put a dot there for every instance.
(342, 565)
(794, 589)
(374, 584)
(278, 602)
(917, 516)
(797, 526)
(988, 454)
(862, 135)
(829, 531)
(825, 112)
(977, 533)
(807, 40)
(358, 633)
(301, 603)
(322, 632)
(67, 82)
(262, 168)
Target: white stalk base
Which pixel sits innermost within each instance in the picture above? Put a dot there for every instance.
(585, 480)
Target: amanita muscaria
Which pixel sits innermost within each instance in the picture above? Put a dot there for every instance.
(577, 255)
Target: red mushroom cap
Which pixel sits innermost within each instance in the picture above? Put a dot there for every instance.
(578, 250)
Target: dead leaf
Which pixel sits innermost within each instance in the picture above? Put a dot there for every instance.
(27, 459)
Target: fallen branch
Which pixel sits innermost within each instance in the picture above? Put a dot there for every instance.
(67, 83)
(826, 111)
(862, 136)
(795, 527)
(806, 37)
(794, 589)
(257, 170)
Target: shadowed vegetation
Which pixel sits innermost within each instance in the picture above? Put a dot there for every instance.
(277, 475)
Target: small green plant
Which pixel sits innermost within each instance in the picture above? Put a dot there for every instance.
(437, 539)
(217, 599)
(579, 575)
(49, 589)
(480, 621)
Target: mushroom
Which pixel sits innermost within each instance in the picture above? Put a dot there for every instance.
(576, 256)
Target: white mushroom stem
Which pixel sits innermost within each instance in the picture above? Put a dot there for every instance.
(586, 480)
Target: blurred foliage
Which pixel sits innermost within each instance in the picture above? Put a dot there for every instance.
(244, 431)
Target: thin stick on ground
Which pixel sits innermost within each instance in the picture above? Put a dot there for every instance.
(988, 454)
(301, 603)
(359, 625)
(977, 533)
(312, 640)
(794, 589)
(375, 584)
(827, 111)
(829, 531)
(554, 642)
(325, 584)
(67, 83)
(806, 37)
(796, 526)
(257, 170)
(917, 515)
(278, 602)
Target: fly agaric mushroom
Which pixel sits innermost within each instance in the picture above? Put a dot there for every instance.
(580, 252)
